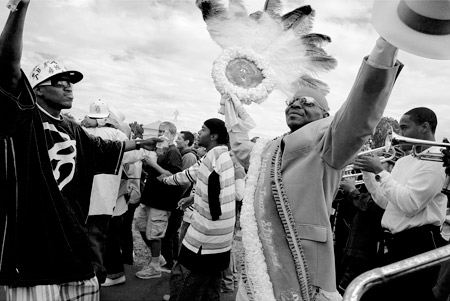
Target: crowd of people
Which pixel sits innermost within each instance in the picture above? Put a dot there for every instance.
(80, 188)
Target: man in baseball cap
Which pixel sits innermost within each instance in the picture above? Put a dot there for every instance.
(98, 109)
(52, 85)
(48, 70)
(48, 164)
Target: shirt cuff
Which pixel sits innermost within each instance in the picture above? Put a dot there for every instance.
(384, 54)
(381, 175)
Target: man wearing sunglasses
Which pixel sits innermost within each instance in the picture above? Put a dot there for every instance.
(47, 167)
(296, 178)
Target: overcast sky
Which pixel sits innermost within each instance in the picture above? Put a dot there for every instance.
(150, 58)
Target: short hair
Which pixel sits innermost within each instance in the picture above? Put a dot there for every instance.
(421, 115)
(217, 126)
(188, 136)
(171, 127)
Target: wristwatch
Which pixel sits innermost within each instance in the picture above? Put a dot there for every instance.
(138, 144)
(379, 175)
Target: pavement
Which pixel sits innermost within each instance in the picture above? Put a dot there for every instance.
(135, 289)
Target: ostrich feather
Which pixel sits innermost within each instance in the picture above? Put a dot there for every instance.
(211, 9)
(236, 8)
(316, 39)
(300, 20)
(256, 15)
(308, 81)
(285, 41)
(245, 32)
(273, 8)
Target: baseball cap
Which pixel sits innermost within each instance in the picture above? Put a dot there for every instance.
(98, 109)
(48, 69)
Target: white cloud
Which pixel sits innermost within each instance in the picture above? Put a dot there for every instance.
(149, 58)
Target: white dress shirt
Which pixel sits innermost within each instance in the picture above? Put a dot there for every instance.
(411, 194)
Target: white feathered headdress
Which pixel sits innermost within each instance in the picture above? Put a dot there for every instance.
(264, 50)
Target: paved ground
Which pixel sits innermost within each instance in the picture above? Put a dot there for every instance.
(138, 289)
(135, 289)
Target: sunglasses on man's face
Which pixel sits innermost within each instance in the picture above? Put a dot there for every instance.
(304, 101)
(57, 83)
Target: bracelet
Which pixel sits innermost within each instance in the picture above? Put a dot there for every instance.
(138, 144)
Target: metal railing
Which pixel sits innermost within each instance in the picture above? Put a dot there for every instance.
(381, 275)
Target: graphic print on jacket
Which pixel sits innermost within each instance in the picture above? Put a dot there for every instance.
(62, 154)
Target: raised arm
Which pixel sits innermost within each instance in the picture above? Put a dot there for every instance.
(354, 122)
(11, 44)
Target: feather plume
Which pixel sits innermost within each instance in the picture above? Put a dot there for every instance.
(285, 41)
(273, 8)
(300, 20)
(237, 8)
(308, 81)
(316, 39)
(211, 9)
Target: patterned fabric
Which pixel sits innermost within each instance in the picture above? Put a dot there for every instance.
(290, 228)
(75, 291)
(212, 236)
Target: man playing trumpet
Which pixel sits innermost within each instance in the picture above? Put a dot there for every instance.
(414, 206)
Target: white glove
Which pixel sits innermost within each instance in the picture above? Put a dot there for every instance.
(237, 118)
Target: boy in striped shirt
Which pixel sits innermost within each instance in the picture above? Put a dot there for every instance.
(205, 250)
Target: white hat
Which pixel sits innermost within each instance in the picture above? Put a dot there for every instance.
(98, 109)
(421, 27)
(48, 69)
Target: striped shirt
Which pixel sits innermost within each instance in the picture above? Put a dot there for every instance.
(212, 237)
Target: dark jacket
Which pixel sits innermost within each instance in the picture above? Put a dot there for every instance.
(47, 167)
(156, 194)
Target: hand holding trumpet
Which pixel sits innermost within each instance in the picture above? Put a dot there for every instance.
(368, 163)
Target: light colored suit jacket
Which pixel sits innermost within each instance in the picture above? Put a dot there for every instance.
(312, 162)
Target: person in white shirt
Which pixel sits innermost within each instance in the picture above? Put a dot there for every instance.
(415, 206)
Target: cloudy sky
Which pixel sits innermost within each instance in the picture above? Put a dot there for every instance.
(150, 58)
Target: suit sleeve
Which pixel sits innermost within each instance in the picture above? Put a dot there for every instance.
(359, 115)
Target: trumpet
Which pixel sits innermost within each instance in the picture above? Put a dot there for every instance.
(435, 157)
(349, 171)
(358, 177)
(387, 148)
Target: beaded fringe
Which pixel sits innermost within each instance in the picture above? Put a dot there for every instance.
(292, 236)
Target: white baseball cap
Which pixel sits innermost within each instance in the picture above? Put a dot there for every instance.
(98, 109)
(48, 69)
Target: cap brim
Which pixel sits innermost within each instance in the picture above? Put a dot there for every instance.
(97, 116)
(388, 25)
(74, 76)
